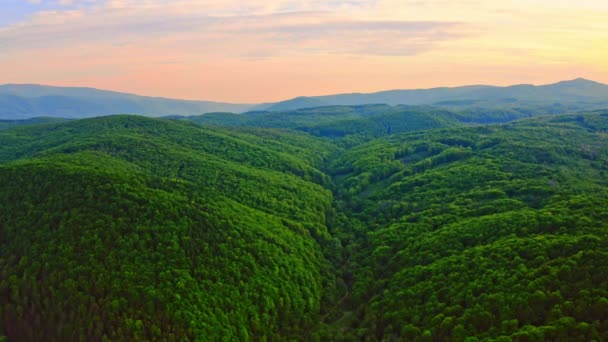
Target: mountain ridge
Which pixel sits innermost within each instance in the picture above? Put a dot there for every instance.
(24, 101)
(565, 92)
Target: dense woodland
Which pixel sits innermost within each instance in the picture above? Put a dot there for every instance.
(336, 223)
(493, 231)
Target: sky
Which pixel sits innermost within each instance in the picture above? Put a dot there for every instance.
(271, 50)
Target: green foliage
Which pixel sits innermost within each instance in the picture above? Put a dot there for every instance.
(316, 224)
(350, 124)
(488, 232)
(5, 124)
(133, 228)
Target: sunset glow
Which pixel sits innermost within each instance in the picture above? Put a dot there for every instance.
(224, 50)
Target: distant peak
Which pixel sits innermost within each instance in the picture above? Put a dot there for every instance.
(580, 81)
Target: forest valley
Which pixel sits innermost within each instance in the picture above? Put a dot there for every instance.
(344, 223)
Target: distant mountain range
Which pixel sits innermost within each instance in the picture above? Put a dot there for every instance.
(27, 101)
(578, 92)
(22, 101)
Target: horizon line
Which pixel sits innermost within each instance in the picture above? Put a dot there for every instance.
(299, 96)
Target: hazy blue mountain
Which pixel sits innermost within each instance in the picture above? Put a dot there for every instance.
(26, 101)
(578, 93)
(18, 102)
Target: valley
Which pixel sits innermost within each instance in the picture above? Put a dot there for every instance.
(268, 171)
(304, 227)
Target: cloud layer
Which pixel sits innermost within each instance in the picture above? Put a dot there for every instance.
(274, 29)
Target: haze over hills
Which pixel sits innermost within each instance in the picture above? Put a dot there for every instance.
(26, 101)
(23, 101)
(579, 93)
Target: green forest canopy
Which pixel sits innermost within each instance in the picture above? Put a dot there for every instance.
(126, 227)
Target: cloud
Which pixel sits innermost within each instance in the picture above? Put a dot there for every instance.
(239, 7)
(62, 2)
(188, 25)
(274, 49)
(363, 37)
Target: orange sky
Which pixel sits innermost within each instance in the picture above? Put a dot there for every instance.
(272, 50)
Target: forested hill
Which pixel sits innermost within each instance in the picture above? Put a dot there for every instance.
(130, 228)
(493, 231)
(363, 122)
(352, 123)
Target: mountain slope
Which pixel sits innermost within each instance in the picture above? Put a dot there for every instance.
(27, 101)
(344, 122)
(131, 228)
(496, 231)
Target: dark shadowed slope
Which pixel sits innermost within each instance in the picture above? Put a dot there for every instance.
(5, 124)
